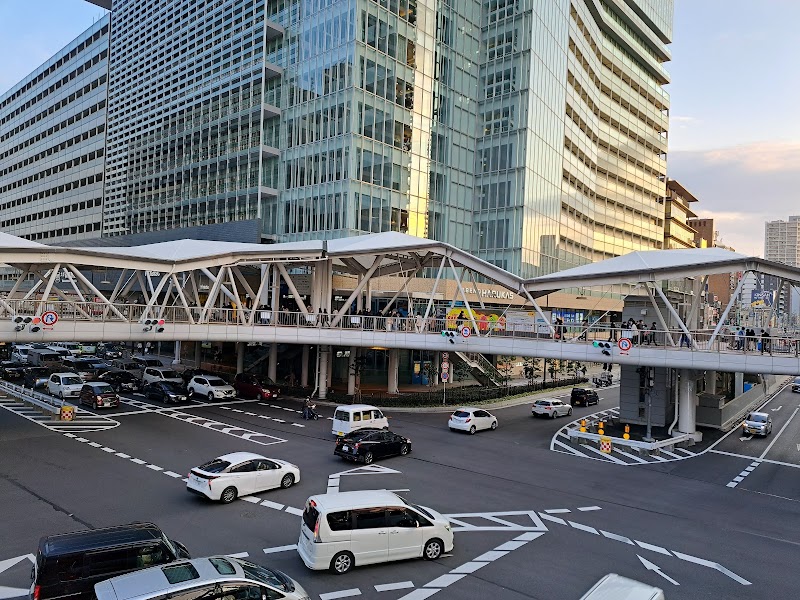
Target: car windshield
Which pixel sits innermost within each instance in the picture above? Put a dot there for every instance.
(215, 466)
(543, 403)
(756, 418)
(461, 413)
(170, 374)
(172, 387)
(265, 575)
(216, 382)
(103, 389)
(359, 435)
(71, 381)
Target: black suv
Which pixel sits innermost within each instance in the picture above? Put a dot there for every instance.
(583, 396)
(36, 377)
(365, 445)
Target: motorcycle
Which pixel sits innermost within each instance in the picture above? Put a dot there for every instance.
(310, 413)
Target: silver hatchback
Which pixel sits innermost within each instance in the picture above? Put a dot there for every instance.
(757, 423)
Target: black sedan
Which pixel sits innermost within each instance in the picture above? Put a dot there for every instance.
(165, 391)
(366, 445)
(583, 396)
(121, 381)
(36, 377)
(12, 371)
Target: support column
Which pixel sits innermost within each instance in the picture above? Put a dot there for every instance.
(272, 362)
(331, 356)
(240, 347)
(324, 351)
(198, 354)
(351, 371)
(738, 384)
(687, 404)
(304, 367)
(711, 382)
(437, 365)
(394, 367)
(177, 359)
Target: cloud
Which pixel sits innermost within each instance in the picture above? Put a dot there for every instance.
(742, 187)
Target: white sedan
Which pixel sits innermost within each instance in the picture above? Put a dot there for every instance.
(210, 387)
(471, 420)
(241, 474)
(550, 408)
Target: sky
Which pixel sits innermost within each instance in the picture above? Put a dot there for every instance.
(734, 131)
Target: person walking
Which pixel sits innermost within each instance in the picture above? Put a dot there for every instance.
(651, 338)
(766, 342)
(740, 339)
(634, 333)
(584, 330)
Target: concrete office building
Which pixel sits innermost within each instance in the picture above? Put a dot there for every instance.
(52, 144)
(533, 133)
(782, 244)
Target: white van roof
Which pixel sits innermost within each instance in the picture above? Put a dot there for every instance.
(616, 587)
(354, 500)
(352, 407)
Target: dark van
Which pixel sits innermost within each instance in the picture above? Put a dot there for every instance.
(68, 565)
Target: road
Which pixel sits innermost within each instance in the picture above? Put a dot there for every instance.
(551, 523)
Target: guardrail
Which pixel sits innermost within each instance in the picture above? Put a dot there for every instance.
(43, 401)
(574, 433)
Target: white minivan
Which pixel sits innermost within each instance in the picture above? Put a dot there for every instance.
(341, 530)
(19, 354)
(616, 587)
(357, 416)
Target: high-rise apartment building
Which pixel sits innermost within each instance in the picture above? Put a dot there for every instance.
(52, 144)
(532, 132)
(782, 244)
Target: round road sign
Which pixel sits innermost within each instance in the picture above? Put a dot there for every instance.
(445, 376)
(445, 366)
(624, 344)
(466, 331)
(50, 318)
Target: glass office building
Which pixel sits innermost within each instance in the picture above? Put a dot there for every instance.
(52, 144)
(531, 132)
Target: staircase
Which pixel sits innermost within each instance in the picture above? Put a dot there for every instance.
(482, 370)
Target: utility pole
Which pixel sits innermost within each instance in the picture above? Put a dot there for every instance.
(649, 385)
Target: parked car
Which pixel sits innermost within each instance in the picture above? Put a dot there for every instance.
(583, 396)
(241, 474)
(165, 391)
(87, 347)
(19, 354)
(65, 385)
(147, 361)
(68, 565)
(36, 377)
(74, 348)
(43, 357)
(796, 385)
(110, 351)
(134, 368)
(153, 374)
(210, 387)
(98, 394)
(214, 577)
(11, 370)
(252, 386)
(121, 381)
(758, 423)
(189, 373)
(550, 407)
(471, 419)
(365, 445)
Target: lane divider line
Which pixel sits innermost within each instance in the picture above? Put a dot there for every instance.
(740, 477)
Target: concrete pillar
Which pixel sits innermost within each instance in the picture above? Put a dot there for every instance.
(331, 356)
(437, 365)
(351, 371)
(177, 359)
(711, 382)
(738, 385)
(394, 367)
(198, 353)
(324, 351)
(304, 366)
(687, 403)
(240, 347)
(272, 362)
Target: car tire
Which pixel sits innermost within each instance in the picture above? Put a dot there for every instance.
(341, 563)
(228, 495)
(403, 449)
(472, 430)
(94, 405)
(191, 392)
(554, 414)
(494, 425)
(368, 458)
(569, 411)
(433, 549)
(210, 396)
(261, 396)
(287, 481)
(60, 395)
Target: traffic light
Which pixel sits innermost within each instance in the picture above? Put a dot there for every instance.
(36, 325)
(20, 322)
(605, 347)
(160, 326)
(449, 335)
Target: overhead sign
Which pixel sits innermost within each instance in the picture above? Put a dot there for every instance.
(761, 298)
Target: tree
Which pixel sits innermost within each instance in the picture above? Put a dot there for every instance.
(531, 368)
(505, 366)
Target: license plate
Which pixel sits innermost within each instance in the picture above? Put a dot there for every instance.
(196, 479)
(345, 448)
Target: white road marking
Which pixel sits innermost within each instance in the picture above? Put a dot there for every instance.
(583, 527)
(138, 461)
(558, 520)
(239, 555)
(122, 455)
(588, 508)
(420, 594)
(5, 565)
(668, 453)
(294, 511)
(252, 499)
(280, 549)
(513, 545)
(469, 567)
(777, 409)
(80, 439)
(610, 457)
(270, 504)
(95, 445)
(656, 569)
(713, 565)
(341, 594)
(445, 580)
(154, 467)
(10, 592)
(491, 556)
(175, 475)
(71, 435)
(615, 537)
(556, 511)
(388, 587)
(658, 549)
(775, 437)
(298, 424)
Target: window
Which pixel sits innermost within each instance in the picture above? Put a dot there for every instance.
(356, 417)
(310, 516)
(339, 521)
(342, 415)
(215, 466)
(246, 467)
(180, 573)
(222, 566)
(401, 517)
(370, 518)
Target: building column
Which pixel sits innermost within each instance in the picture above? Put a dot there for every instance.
(240, 347)
(324, 351)
(331, 356)
(351, 371)
(687, 404)
(177, 359)
(394, 367)
(738, 384)
(272, 362)
(304, 366)
(198, 354)
(711, 382)
(437, 365)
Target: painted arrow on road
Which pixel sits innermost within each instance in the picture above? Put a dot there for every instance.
(5, 565)
(656, 569)
(780, 407)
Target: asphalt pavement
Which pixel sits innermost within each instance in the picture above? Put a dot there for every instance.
(530, 522)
